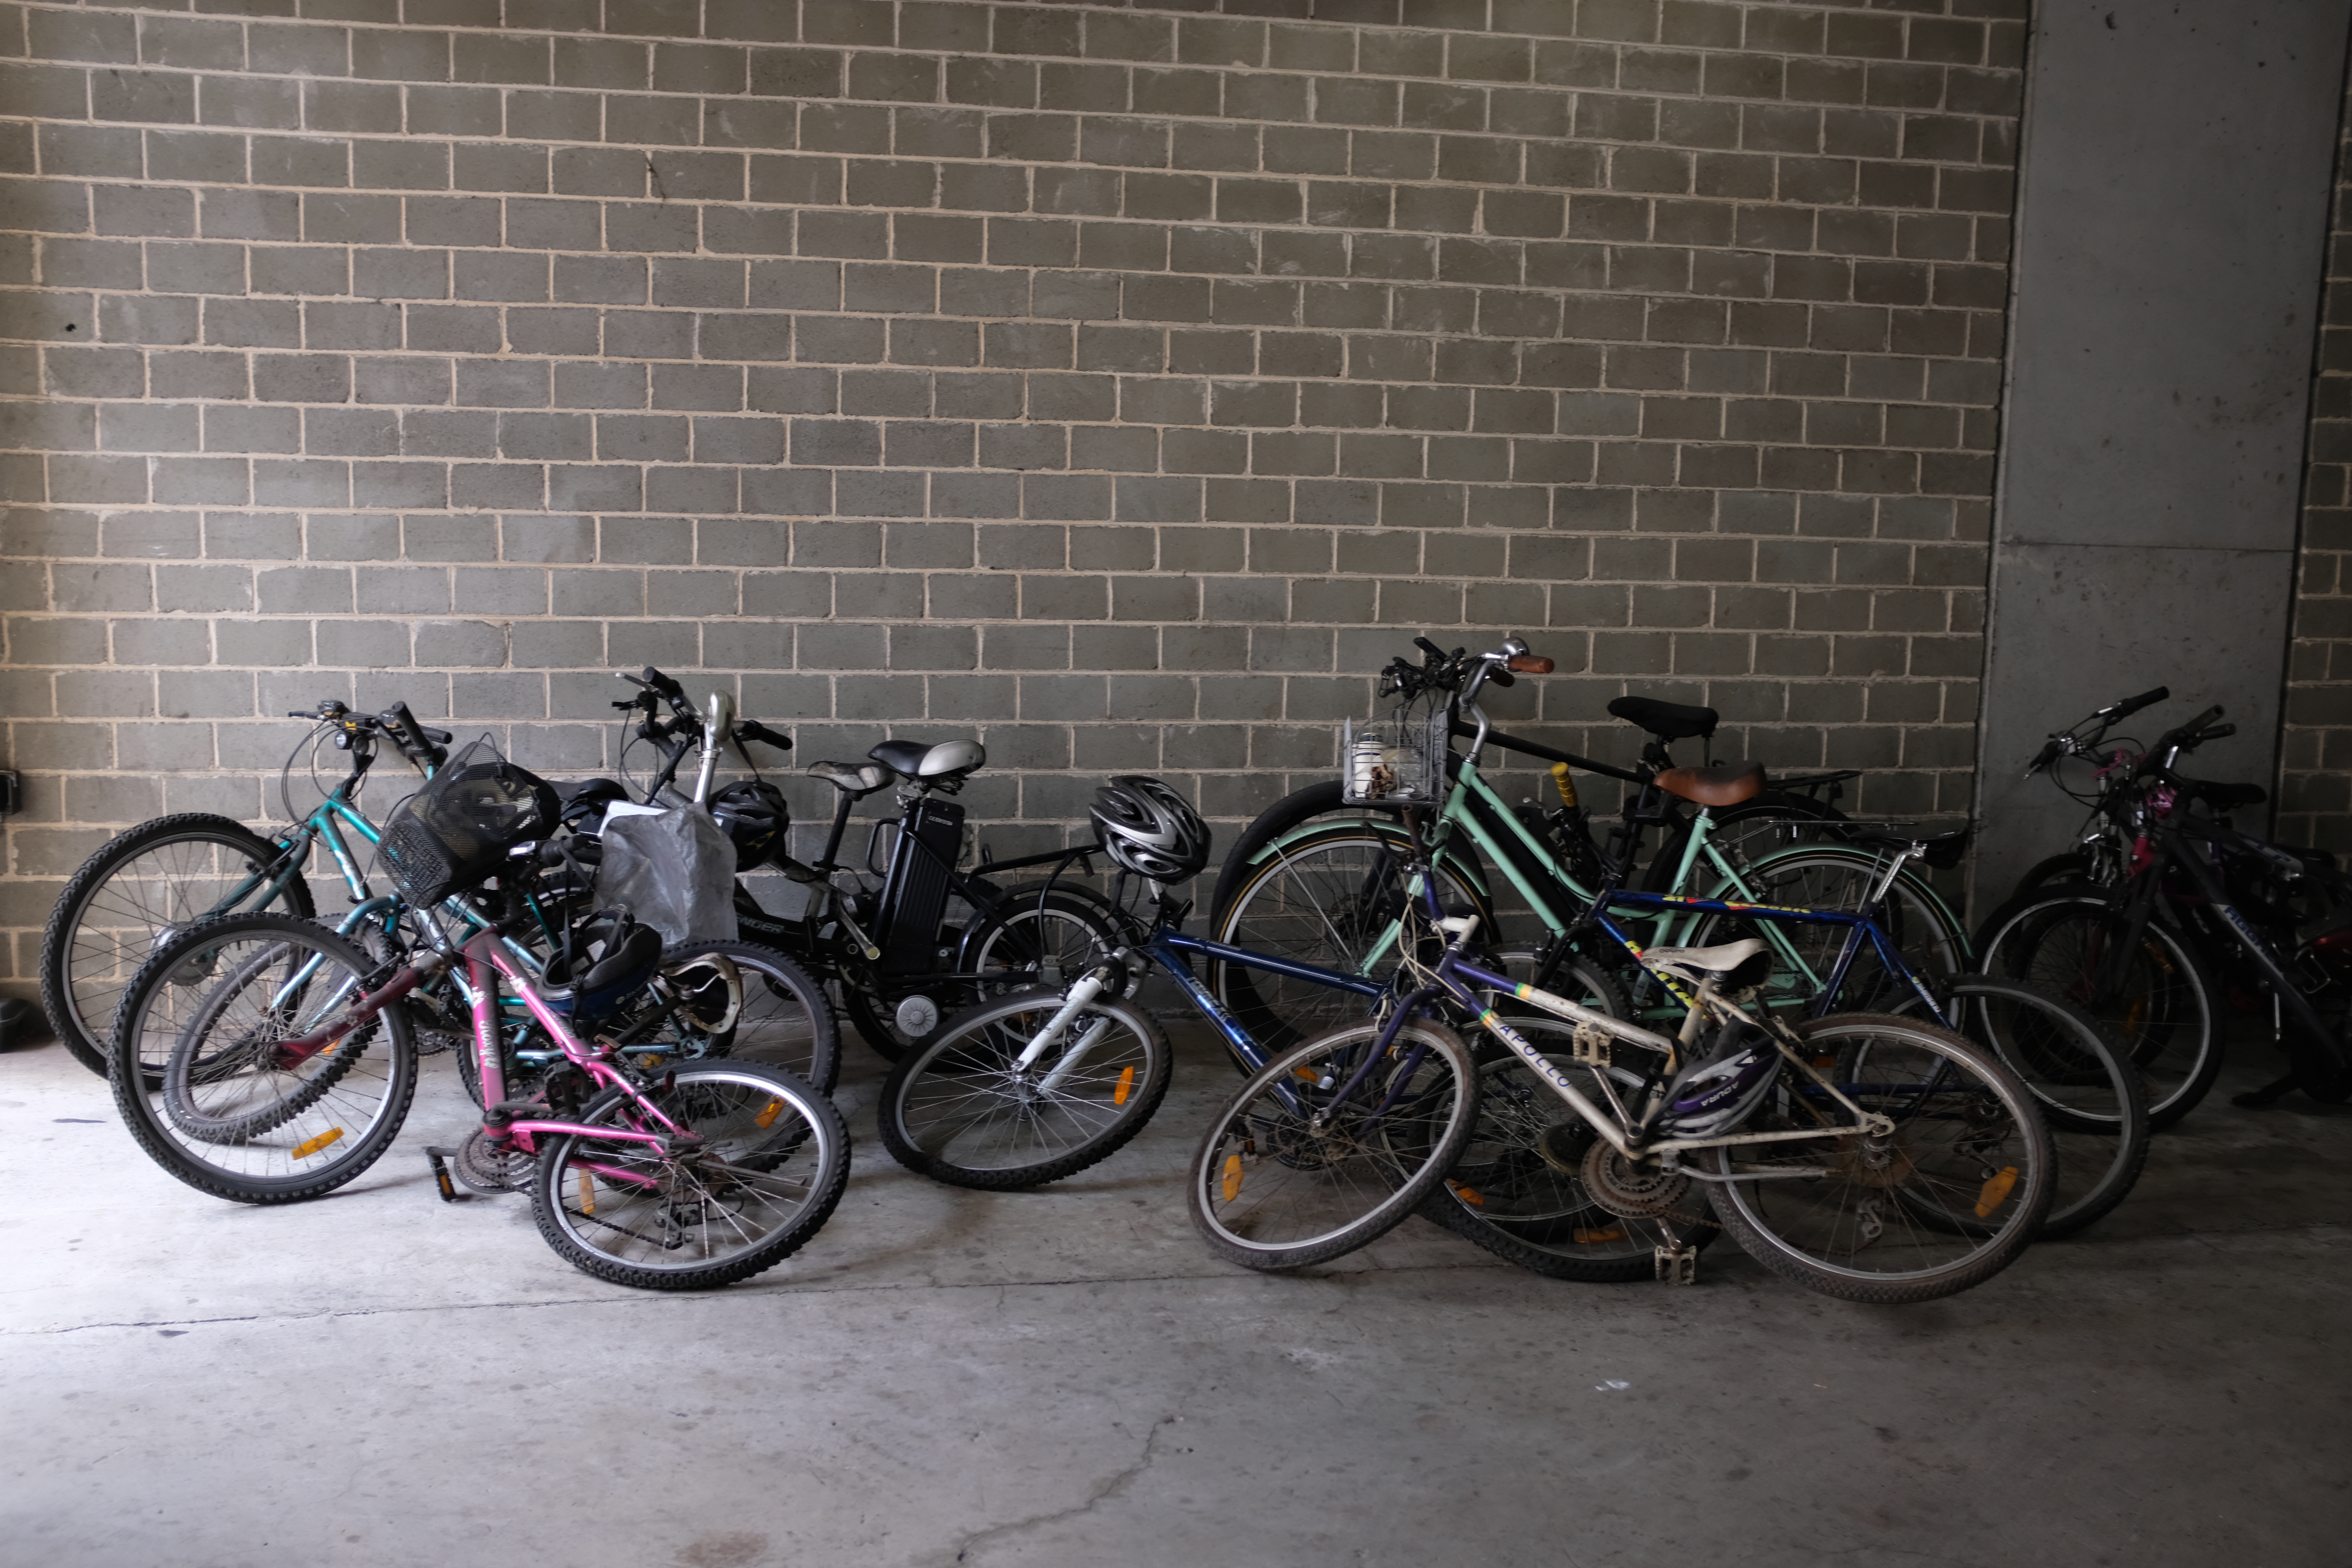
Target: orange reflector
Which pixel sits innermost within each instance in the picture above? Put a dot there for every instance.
(309, 1146)
(1468, 1195)
(768, 1114)
(587, 1192)
(1996, 1191)
(1823, 1064)
(1306, 1075)
(1595, 1238)
(328, 1048)
(1233, 1183)
(1126, 1087)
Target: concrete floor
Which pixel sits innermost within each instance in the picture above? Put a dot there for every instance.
(1067, 1378)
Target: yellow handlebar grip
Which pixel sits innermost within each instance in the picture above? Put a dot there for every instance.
(1566, 786)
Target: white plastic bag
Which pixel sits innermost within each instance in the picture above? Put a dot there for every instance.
(674, 869)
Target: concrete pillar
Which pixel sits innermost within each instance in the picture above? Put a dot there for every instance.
(2171, 215)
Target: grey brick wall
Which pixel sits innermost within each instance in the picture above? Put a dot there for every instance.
(1119, 384)
(2315, 755)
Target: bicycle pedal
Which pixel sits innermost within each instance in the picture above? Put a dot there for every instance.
(1677, 1264)
(439, 1159)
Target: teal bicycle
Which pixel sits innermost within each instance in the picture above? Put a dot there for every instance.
(1332, 892)
(162, 876)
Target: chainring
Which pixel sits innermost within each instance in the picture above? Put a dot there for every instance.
(1630, 1191)
(486, 1167)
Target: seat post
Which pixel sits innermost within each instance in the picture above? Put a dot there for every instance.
(843, 802)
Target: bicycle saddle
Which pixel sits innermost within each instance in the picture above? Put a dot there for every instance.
(1666, 721)
(851, 778)
(1943, 848)
(927, 760)
(1697, 963)
(1725, 784)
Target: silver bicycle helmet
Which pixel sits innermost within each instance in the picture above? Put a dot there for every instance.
(1148, 829)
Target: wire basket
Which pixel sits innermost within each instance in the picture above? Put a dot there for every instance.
(455, 831)
(1398, 760)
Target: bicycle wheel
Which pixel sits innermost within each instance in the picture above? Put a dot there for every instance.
(2090, 1099)
(203, 1081)
(159, 877)
(1291, 1174)
(1039, 936)
(1920, 924)
(1946, 1202)
(1517, 1190)
(1324, 798)
(961, 1109)
(2161, 1008)
(739, 1000)
(762, 1162)
(1327, 900)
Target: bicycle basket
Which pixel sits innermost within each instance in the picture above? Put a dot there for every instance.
(1396, 759)
(455, 831)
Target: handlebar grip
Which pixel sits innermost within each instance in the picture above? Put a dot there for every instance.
(1429, 647)
(2042, 757)
(1499, 675)
(2218, 732)
(2198, 723)
(1531, 664)
(663, 683)
(2131, 705)
(752, 730)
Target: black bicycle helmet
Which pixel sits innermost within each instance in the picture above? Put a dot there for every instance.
(1148, 829)
(755, 816)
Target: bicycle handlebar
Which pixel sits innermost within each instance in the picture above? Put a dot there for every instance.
(2131, 705)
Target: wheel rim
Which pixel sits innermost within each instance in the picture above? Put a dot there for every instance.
(967, 1104)
(759, 1166)
(145, 901)
(2155, 1011)
(1899, 1210)
(219, 1084)
(1268, 1180)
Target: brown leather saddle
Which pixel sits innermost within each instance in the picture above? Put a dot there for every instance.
(1725, 783)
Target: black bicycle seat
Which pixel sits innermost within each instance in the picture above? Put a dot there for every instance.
(1666, 721)
(1943, 848)
(930, 760)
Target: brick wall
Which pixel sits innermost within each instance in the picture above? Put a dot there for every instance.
(2316, 755)
(1121, 385)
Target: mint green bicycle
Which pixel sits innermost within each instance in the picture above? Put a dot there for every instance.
(1334, 893)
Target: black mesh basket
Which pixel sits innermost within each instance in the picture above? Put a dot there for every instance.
(455, 831)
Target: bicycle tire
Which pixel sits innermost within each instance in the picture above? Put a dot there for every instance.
(246, 1169)
(1325, 797)
(1346, 1187)
(2092, 1102)
(1954, 1207)
(759, 1127)
(771, 1012)
(2165, 1015)
(83, 978)
(2074, 865)
(1827, 876)
(1324, 899)
(953, 1085)
(1506, 1195)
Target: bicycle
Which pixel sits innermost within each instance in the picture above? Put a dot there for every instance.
(1937, 1168)
(1335, 895)
(168, 873)
(2134, 952)
(888, 949)
(1796, 808)
(296, 1068)
(1830, 957)
(1035, 1085)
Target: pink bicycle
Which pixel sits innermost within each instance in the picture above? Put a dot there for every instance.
(291, 1066)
